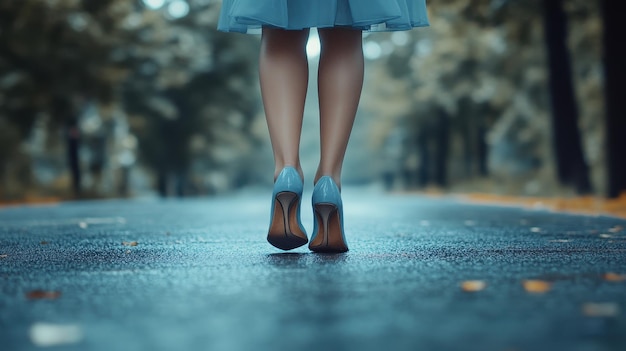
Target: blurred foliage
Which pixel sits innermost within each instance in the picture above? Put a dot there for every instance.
(135, 80)
(471, 101)
(163, 99)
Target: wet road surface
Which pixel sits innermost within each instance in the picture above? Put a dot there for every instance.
(199, 275)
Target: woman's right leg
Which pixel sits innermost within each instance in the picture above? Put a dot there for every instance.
(340, 81)
(284, 75)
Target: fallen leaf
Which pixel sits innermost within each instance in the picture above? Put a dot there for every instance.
(46, 334)
(614, 277)
(43, 294)
(473, 285)
(616, 229)
(129, 243)
(608, 309)
(537, 286)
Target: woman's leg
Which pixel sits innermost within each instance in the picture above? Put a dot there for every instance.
(284, 75)
(340, 80)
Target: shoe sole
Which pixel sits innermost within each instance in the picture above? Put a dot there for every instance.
(329, 238)
(285, 232)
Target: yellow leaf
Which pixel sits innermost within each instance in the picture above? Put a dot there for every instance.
(473, 285)
(614, 277)
(537, 286)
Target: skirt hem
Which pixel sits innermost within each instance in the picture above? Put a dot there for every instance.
(250, 16)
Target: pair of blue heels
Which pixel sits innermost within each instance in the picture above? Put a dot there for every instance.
(286, 231)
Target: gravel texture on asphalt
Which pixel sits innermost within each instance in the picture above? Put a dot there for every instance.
(198, 275)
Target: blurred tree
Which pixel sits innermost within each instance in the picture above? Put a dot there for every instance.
(60, 55)
(13, 162)
(183, 103)
(177, 79)
(450, 111)
(463, 99)
(571, 165)
(62, 109)
(477, 98)
(615, 75)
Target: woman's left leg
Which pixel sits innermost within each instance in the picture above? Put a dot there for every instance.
(340, 81)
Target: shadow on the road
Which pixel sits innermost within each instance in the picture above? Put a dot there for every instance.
(290, 259)
(328, 258)
(286, 259)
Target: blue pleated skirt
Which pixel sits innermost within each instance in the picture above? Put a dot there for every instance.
(248, 16)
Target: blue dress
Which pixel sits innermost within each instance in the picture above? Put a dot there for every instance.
(248, 16)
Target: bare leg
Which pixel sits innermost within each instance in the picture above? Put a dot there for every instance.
(340, 81)
(284, 75)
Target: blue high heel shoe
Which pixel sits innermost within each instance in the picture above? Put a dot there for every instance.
(328, 234)
(286, 231)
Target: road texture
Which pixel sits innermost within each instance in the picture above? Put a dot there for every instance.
(199, 275)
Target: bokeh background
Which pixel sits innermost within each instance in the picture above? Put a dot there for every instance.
(132, 98)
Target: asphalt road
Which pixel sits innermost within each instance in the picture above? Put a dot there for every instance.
(199, 275)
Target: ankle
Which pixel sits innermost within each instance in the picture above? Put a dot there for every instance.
(335, 177)
(279, 168)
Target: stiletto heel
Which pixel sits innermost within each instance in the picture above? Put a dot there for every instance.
(286, 231)
(328, 234)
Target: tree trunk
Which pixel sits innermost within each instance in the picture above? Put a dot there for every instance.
(423, 175)
(466, 124)
(73, 148)
(162, 183)
(442, 149)
(571, 166)
(483, 149)
(615, 76)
